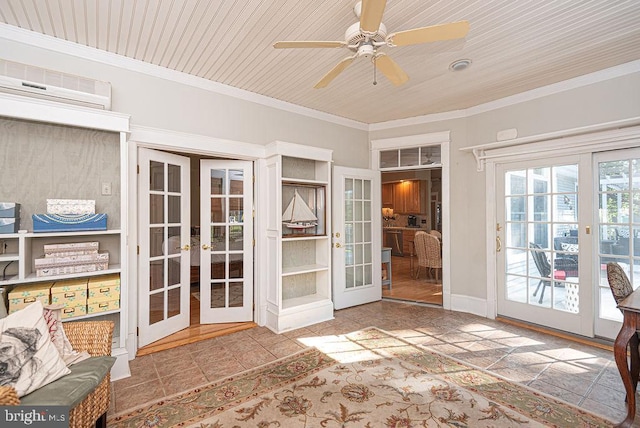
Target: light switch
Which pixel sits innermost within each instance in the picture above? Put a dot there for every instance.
(106, 189)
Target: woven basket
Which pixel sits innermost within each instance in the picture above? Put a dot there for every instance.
(95, 338)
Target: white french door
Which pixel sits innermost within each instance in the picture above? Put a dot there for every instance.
(164, 244)
(357, 241)
(617, 192)
(226, 246)
(543, 239)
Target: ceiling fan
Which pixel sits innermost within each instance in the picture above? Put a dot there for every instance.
(365, 37)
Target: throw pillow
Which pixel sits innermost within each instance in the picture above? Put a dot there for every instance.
(53, 317)
(572, 248)
(28, 358)
(623, 232)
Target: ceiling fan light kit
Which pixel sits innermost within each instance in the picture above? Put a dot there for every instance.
(364, 38)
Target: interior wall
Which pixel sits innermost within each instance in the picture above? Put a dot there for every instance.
(163, 104)
(606, 101)
(40, 161)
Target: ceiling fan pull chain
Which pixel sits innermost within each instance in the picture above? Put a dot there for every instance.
(374, 71)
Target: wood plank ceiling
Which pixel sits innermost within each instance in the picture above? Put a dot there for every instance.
(514, 46)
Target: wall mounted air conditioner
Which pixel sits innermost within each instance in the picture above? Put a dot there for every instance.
(22, 79)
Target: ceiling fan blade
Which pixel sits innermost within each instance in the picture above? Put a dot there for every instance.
(308, 44)
(391, 69)
(339, 68)
(371, 15)
(434, 33)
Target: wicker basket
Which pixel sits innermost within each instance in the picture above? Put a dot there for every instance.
(95, 338)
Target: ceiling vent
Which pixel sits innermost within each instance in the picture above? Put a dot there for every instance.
(26, 80)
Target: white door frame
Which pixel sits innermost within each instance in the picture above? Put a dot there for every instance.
(159, 139)
(421, 140)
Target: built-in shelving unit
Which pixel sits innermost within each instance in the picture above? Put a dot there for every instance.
(99, 139)
(299, 252)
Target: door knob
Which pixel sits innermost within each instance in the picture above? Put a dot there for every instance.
(186, 247)
(205, 246)
(338, 245)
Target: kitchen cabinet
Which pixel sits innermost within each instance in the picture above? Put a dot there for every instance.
(407, 197)
(387, 195)
(407, 242)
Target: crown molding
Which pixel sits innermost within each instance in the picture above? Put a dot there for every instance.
(54, 44)
(544, 91)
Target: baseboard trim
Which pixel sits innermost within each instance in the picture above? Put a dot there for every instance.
(472, 305)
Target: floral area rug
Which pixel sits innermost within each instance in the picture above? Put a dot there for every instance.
(368, 378)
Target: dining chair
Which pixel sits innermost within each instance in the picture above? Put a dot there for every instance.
(436, 234)
(618, 282)
(544, 268)
(428, 252)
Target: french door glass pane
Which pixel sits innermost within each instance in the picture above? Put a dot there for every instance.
(156, 176)
(173, 178)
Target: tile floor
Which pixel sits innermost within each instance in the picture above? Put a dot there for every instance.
(580, 374)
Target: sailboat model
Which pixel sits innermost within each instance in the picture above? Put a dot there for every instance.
(298, 215)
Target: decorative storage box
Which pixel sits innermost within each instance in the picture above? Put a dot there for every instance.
(68, 223)
(75, 310)
(23, 295)
(104, 306)
(9, 210)
(72, 249)
(103, 288)
(71, 206)
(71, 292)
(9, 225)
(71, 264)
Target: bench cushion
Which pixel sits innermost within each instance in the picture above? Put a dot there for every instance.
(72, 388)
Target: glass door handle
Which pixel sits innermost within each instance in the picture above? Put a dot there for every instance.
(498, 244)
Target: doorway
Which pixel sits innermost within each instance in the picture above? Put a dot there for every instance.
(196, 247)
(411, 203)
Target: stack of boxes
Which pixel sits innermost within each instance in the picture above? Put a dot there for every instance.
(63, 259)
(72, 294)
(9, 217)
(103, 293)
(76, 296)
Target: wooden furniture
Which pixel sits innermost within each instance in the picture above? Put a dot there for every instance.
(408, 248)
(386, 259)
(627, 340)
(407, 197)
(95, 338)
(298, 260)
(387, 195)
